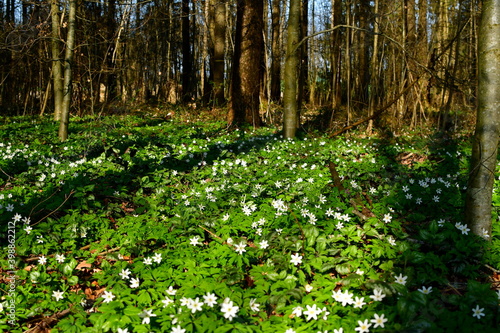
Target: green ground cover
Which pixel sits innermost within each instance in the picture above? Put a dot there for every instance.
(152, 225)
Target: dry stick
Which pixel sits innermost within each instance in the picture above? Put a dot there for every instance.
(5, 173)
(48, 321)
(55, 210)
(211, 233)
(378, 112)
(41, 202)
(86, 247)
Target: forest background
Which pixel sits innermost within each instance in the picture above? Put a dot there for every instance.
(418, 56)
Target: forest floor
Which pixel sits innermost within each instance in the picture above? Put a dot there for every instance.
(170, 222)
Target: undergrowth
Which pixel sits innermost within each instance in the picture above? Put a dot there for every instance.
(140, 224)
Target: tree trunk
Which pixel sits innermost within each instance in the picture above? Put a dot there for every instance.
(303, 83)
(247, 64)
(219, 40)
(68, 63)
(374, 68)
(187, 58)
(56, 60)
(485, 146)
(336, 58)
(275, 51)
(290, 116)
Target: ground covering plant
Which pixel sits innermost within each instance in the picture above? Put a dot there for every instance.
(143, 224)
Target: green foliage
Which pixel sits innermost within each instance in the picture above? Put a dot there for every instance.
(151, 225)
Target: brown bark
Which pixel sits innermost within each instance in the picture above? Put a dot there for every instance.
(56, 60)
(290, 116)
(187, 57)
(275, 51)
(247, 64)
(219, 40)
(68, 71)
(485, 145)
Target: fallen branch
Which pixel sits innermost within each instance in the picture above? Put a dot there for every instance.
(47, 322)
(55, 210)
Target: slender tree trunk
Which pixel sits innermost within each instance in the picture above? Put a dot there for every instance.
(485, 146)
(290, 116)
(219, 46)
(275, 51)
(68, 71)
(336, 57)
(247, 64)
(56, 60)
(303, 83)
(374, 68)
(187, 57)
(363, 63)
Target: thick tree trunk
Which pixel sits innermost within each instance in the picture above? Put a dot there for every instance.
(56, 60)
(290, 116)
(68, 71)
(485, 146)
(247, 64)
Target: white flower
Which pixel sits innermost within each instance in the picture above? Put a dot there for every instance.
(478, 312)
(171, 291)
(148, 261)
(122, 330)
(157, 258)
(240, 248)
(178, 329)
(125, 273)
(364, 326)
(134, 283)
(195, 240)
(340, 330)
(210, 299)
(359, 302)
(108, 296)
(229, 309)
(308, 288)
(28, 229)
(230, 241)
(290, 330)
(296, 259)
(379, 320)
(42, 260)
(325, 314)
(146, 316)
(344, 298)
(195, 305)
(297, 311)
(401, 279)
(424, 290)
(253, 305)
(264, 244)
(60, 258)
(167, 301)
(312, 312)
(378, 295)
(58, 295)
(387, 218)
